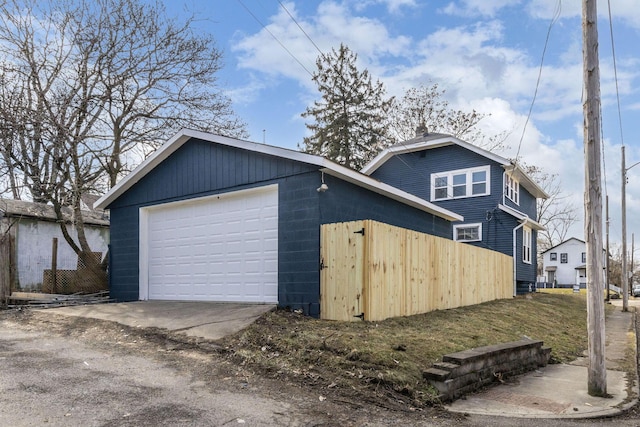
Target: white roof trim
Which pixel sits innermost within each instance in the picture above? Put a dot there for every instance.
(422, 144)
(440, 140)
(522, 217)
(563, 242)
(325, 165)
(525, 181)
(387, 190)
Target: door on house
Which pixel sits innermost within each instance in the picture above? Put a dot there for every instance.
(551, 277)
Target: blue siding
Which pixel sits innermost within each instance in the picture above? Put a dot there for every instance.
(527, 204)
(299, 243)
(347, 202)
(201, 168)
(123, 255)
(411, 172)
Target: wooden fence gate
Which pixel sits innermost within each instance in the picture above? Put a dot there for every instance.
(373, 271)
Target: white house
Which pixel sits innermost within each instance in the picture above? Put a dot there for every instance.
(564, 265)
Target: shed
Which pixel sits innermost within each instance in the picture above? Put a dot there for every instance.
(26, 233)
(211, 218)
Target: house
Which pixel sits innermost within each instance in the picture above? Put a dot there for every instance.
(27, 231)
(564, 265)
(495, 196)
(212, 218)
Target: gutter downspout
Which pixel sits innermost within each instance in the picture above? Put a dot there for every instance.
(515, 230)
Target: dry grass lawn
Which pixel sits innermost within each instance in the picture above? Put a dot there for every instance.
(385, 360)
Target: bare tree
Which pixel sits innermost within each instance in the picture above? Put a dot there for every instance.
(557, 213)
(88, 87)
(426, 106)
(614, 275)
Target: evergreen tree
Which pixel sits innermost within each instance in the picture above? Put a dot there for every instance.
(350, 123)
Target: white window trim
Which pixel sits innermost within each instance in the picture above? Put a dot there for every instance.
(526, 245)
(512, 189)
(469, 184)
(455, 231)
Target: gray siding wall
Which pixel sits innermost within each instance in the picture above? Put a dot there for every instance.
(527, 204)
(201, 168)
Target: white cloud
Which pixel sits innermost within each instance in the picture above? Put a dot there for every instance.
(480, 68)
(393, 6)
(366, 36)
(625, 10)
(471, 8)
(547, 9)
(264, 51)
(249, 92)
(332, 25)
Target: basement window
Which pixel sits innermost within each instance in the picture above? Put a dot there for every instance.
(467, 232)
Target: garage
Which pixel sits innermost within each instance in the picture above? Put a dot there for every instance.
(215, 248)
(212, 218)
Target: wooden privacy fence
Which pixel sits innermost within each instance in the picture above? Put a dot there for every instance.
(373, 271)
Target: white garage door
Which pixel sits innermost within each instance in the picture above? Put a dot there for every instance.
(218, 248)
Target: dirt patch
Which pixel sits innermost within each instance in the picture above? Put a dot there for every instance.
(382, 362)
(215, 368)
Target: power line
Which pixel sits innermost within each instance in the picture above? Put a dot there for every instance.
(321, 53)
(275, 38)
(299, 26)
(615, 72)
(554, 19)
(340, 74)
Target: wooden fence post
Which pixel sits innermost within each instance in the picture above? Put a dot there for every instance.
(54, 264)
(5, 262)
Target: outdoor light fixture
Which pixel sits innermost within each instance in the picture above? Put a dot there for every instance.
(323, 187)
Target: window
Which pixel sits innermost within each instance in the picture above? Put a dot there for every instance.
(460, 183)
(440, 188)
(467, 233)
(553, 256)
(564, 258)
(526, 245)
(584, 257)
(512, 189)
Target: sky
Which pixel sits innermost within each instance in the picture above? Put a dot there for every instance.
(486, 55)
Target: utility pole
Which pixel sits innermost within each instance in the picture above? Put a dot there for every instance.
(630, 280)
(597, 373)
(625, 286)
(606, 276)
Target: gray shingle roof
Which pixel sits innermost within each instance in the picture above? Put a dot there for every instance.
(25, 209)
